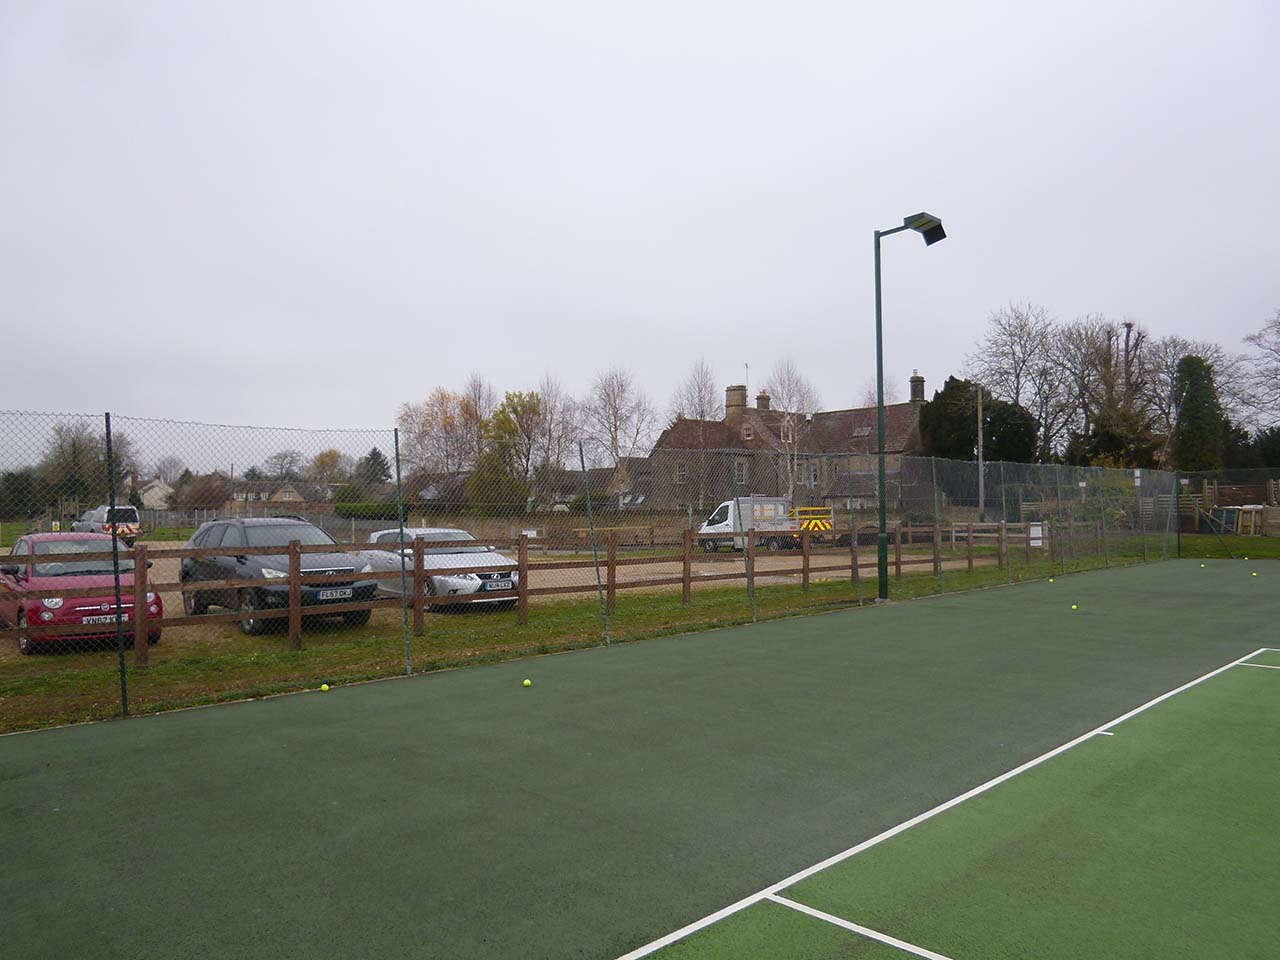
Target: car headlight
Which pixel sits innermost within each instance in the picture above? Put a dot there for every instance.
(151, 598)
(53, 603)
(368, 568)
(272, 574)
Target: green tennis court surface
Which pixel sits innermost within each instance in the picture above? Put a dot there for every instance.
(631, 791)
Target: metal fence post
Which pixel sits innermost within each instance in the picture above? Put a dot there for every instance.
(295, 595)
(748, 549)
(1004, 527)
(115, 567)
(141, 629)
(937, 528)
(611, 571)
(595, 550)
(404, 574)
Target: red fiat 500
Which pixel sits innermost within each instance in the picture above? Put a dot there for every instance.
(41, 562)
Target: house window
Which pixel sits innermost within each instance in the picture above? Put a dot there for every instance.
(739, 472)
(287, 495)
(815, 472)
(787, 435)
(748, 431)
(682, 472)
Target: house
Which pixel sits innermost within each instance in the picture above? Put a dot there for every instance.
(265, 497)
(155, 494)
(696, 464)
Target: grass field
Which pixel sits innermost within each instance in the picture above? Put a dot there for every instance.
(632, 790)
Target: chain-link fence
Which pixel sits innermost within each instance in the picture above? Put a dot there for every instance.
(151, 564)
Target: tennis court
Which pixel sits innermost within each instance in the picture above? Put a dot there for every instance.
(634, 791)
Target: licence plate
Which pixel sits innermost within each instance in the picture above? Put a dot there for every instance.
(498, 585)
(108, 619)
(341, 594)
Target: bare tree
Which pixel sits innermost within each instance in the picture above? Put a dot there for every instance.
(477, 404)
(1264, 370)
(558, 426)
(169, 469)
(283, 465)
(618, 416)
(795, 399)
(1015, 362)
(432, 435)
(1079, 353)
(698, 399)
(868, 398)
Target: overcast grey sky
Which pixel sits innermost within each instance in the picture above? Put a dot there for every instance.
(306, 213)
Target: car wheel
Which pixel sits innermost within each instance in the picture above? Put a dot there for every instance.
(193, 604)
(710, 546)
(25, 644)
(250, 626)
(357, 618)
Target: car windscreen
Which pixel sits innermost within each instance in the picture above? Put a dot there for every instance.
(60, 558)
(466, 542)
(282, 534)
(122, 515)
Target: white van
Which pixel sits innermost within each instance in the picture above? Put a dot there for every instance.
(770, 517)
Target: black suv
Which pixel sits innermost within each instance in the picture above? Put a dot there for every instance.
(272, 569)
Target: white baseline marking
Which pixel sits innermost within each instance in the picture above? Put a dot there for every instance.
(1105, 733)
(709, 919)
(1264, 666)
(864, 931)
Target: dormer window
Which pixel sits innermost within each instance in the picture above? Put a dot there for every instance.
(748, 431)
(786, 435)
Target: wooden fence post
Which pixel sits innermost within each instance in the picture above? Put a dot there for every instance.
(804, 560)
(522, 587)
(853, 554)
(611, 587)
(686, 572)
(141, 649)
(295, 595)
(897, 550)
(420, 587)
(968, 546)
(751, 558)
(1026, 539)
(1001, 544)
(1048, 539)
(937, 550)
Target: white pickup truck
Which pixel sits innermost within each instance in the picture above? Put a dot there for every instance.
(771, 518)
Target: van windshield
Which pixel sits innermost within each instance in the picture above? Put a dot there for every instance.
(720, 516)
(122, 515)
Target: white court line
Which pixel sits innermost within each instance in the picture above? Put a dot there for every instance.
(1264, 666)
(1105, 733)
(709, 919)
(864, 931)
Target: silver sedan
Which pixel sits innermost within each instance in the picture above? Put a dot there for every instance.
(468, 555)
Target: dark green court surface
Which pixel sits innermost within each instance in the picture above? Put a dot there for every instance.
(628, 792)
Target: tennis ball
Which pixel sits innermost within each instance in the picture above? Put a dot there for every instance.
(1255, 573)
(1075, 607)
(324, 687)
(528, 682)
(1202, 566)
(1051, 579)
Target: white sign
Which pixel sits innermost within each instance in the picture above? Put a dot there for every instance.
(1036, 532)
(1184, 481)
(1137, 481)
(1083, 484)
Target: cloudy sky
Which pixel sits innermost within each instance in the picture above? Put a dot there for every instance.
(306, 213)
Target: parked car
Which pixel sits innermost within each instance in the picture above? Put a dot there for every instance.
(48, 561)
(466, 556)
(101, 519)
(272, 570)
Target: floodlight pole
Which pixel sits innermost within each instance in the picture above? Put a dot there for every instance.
(882, 538)
(930, 228)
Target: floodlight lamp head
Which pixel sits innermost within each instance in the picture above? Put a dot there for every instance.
(928, 226)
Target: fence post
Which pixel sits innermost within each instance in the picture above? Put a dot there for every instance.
(404, 584)
(141, 649)
(595, 546)
(937, 550)
(751, 570)
(686, 571)
(968, 546)
(1026, 538)
(853, 553)
(804, 560)
(1000, 544)
(897, 550)
(115, 569)
(295, 595)
(522, 587)
(1048, 538)
(611, 574)
(420, 587)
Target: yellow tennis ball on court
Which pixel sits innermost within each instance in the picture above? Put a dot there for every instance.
(324, 687)
(1255, 573)
(1075, 607)
(1202, 566)
(1051, 579)
(528, 682)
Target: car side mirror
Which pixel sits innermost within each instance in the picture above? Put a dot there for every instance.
(10, 571)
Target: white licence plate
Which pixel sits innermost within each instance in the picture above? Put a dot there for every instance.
(107, 619)
(498, 585)
(343, 593)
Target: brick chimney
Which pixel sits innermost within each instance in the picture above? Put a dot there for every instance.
(762, 400)
(917, 387)
(735, 401)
